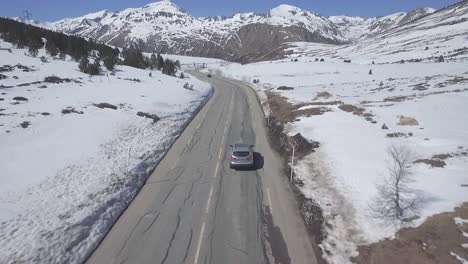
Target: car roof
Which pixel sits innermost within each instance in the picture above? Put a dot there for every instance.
(241, 147)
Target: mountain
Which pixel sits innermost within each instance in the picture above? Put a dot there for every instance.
(245, 37)
(441, 34)
(166, 28)
(356, 27)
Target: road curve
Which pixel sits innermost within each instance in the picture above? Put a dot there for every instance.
(195, 209)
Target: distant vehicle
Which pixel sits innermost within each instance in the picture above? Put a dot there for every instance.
(209, 75)
(242, 156)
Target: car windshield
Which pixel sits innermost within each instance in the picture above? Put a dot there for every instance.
(241, 154)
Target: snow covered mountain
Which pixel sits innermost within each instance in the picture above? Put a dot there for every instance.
(356, 27)
(164, 27)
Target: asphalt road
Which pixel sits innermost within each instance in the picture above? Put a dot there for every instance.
(195, 209)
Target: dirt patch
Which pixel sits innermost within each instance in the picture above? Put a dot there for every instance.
(324, 95)
(55, 79)
(9, 68)
(280, 107)
(24, 68)
(106, 105)
(25, 124)
(322, 103)
(438, 161)
(442, 156)
(71, 110)
(398, 135)
(27, 84)
(132, 80)
(285, 112)
(154, 117)
(6, 68)
(311, 111)
(396, 99)
(431, 243)
(352, 109)
(420, 86)
(435, 163)
(20, 98)
(285, 88)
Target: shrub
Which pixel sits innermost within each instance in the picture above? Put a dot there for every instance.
(33, 51)
(160, 62)
(169, 67)
(109, 63)
(188, 86)
(441, 58)
(83, 65)
(95, 68)
(134, 58)
(106, 105)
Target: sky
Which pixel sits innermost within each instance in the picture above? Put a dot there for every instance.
(52, 10)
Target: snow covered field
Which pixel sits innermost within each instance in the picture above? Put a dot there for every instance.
(68, 167)
(342, 175)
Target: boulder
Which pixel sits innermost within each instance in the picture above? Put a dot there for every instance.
(408, 121)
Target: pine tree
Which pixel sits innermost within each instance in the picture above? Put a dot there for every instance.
(169, 67)
(33, 51)
(153, 61)
(62, 55)
(51, 48)
(83, 66)
(95, 68)
(160, 63)
(109, 63)
(134, 58)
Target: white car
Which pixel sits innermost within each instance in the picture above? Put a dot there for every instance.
(242, 156)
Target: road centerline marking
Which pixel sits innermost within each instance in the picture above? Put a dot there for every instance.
(220, 153)
(200, 237)
(216, 170)
(207, 209)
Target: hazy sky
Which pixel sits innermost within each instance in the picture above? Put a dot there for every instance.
(52, 10)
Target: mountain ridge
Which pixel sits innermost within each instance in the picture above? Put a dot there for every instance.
(164, 27)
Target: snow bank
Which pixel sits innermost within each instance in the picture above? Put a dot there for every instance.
(67, 177)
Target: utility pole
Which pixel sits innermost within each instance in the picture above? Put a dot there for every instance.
(27, 15)
(292, 166)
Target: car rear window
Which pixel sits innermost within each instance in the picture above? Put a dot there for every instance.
(241, 154)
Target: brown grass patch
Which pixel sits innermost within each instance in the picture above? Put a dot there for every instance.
(431, 243)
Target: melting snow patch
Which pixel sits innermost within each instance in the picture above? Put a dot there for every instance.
(462, 260)
(460, 221)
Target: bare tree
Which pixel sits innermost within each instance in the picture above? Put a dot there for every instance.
(395, 201)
